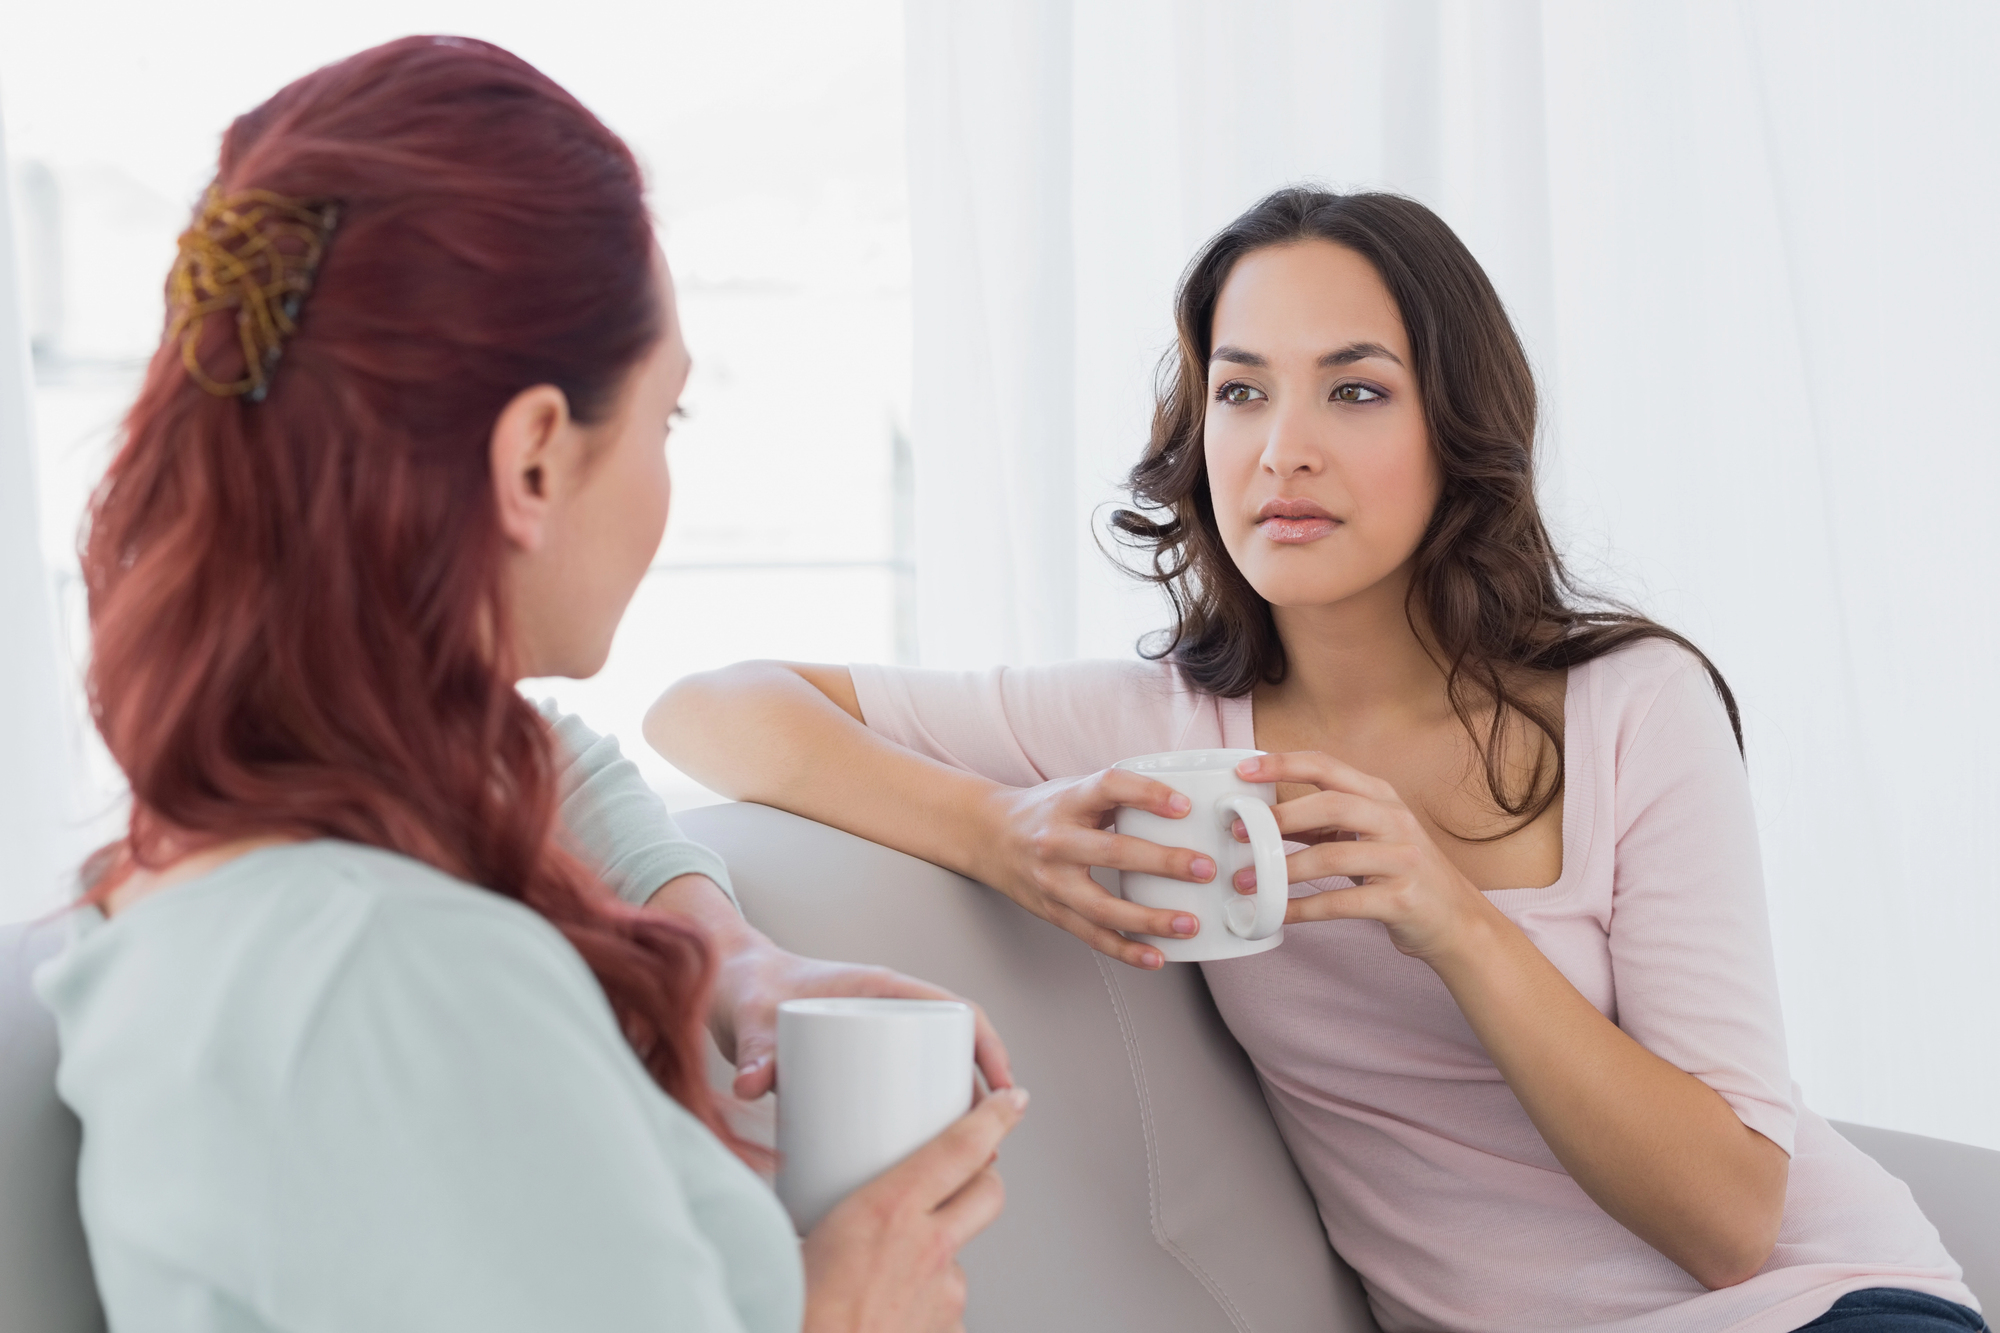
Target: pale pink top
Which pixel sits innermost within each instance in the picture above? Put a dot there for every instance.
(1430, 1178)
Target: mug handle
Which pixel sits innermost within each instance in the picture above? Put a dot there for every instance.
(1259, 918)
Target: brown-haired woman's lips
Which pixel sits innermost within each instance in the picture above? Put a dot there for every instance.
(1294, 520)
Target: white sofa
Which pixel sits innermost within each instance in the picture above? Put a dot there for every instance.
(1147, 1190)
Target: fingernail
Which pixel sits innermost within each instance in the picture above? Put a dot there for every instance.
(1246, 879)
(1186, 925)
(749, 1065)
(1202, 869)
(1154, 960)
(1178, 804)
(1017, 1098)
(1249, 766)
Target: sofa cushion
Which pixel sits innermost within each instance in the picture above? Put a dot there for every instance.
(1147, 1187)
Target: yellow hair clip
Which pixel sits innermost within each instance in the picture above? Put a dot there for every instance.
(254, 253)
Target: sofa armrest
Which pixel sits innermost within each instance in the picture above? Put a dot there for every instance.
(1957, 1186)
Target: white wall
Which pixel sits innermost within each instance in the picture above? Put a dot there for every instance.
(1749, 246)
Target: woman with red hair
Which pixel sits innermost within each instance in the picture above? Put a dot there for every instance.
(389, 1011)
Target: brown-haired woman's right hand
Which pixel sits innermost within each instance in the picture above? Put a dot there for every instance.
(1041, 843)
(885, 1260)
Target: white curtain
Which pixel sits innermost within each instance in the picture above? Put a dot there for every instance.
(1751, 248)
(39, 836)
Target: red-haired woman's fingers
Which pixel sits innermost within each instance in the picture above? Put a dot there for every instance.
(936, 1172)
(989, 1052)
(973, 1209)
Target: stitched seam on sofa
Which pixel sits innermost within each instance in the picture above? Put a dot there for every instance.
(1165, 1242)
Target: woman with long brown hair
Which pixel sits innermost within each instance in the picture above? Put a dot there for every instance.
(388, 1013)
(1522, 1037)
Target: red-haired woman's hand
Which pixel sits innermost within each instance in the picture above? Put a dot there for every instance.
(754, 976)
(1356, 826)
(885, 1260)
(1041, 843)
(757, 976)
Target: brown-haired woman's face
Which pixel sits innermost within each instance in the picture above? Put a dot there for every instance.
(1319, 462)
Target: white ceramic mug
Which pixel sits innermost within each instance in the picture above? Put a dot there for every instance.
(863, 1083)
(1233, 925)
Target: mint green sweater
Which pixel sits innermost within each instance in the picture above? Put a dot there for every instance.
(326, 1087)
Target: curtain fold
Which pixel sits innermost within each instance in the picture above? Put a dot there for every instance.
(1748, 243)
(38, 832)
(990, 139)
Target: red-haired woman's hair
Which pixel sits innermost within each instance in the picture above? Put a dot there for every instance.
(295, 604)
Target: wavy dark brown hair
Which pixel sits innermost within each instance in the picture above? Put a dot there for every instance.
(296, 607)
(1489, 596)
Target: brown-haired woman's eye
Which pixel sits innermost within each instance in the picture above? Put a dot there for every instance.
(1357, 393)
(1236, 395)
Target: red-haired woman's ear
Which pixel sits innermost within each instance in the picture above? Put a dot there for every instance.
(535, 443)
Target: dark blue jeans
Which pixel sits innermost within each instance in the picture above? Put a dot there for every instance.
(1894, 1310)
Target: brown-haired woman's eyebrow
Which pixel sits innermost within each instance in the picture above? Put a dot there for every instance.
(1346, 356)
(1236, 355)
(1353, 352)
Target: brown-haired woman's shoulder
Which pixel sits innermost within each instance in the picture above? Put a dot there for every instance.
(1657, 685)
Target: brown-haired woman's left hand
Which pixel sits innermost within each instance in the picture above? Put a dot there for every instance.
(1357, 826)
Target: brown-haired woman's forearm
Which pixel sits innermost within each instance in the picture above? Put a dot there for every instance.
(790, 735)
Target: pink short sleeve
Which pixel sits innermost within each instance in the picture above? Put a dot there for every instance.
(1690, 938)
(1028, 725)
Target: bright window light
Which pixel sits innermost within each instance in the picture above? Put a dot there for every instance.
(773, 141)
